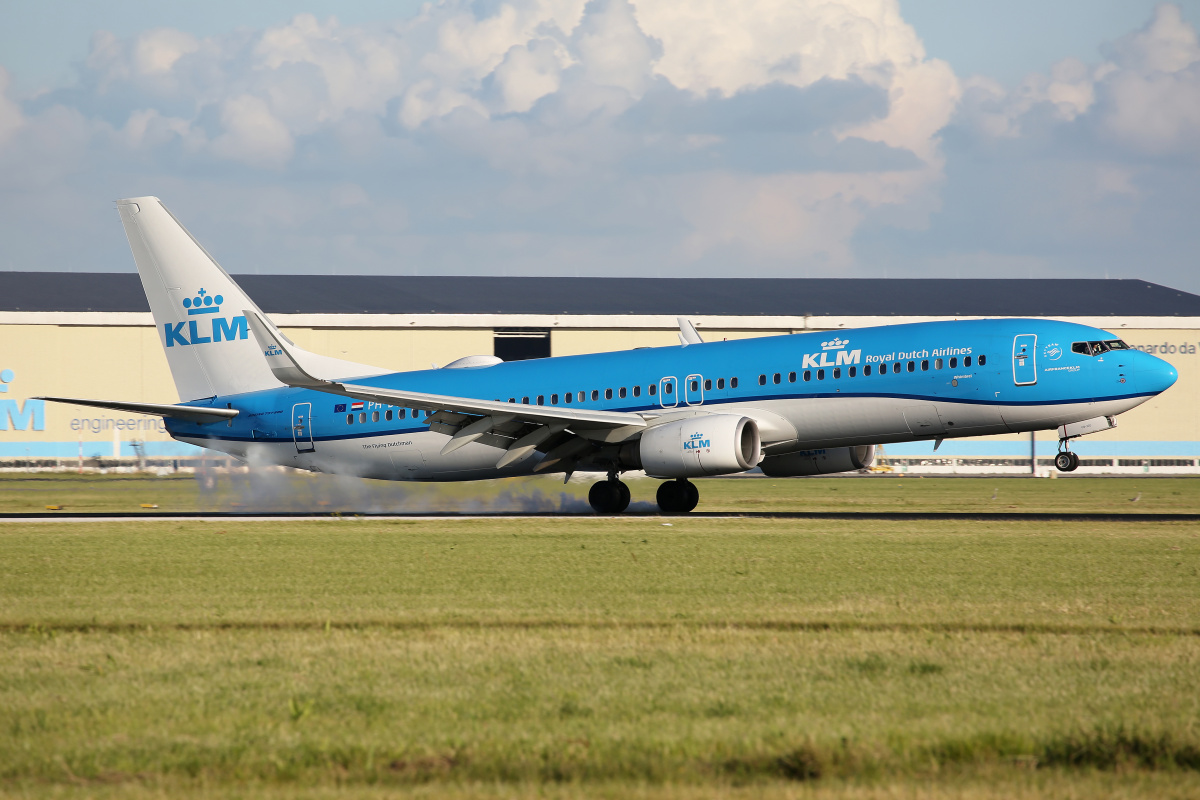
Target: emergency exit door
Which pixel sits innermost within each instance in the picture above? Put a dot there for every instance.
(302, 427)
(1025, 359)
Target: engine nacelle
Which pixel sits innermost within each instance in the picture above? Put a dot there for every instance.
(698, 446)
(819, 462)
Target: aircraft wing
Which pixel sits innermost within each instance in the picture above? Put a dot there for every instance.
(287, 368)
(200, 415)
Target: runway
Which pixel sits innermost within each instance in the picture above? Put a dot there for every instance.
(864, 516)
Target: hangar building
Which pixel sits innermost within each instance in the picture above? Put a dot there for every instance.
(92, 335)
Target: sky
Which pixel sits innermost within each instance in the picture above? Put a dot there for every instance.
(773, 138)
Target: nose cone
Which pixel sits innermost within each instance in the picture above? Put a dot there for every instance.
(1155, 375)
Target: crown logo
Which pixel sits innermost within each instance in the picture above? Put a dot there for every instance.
(203, 303)
(835, 344)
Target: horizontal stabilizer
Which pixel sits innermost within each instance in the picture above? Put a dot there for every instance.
(203, 416)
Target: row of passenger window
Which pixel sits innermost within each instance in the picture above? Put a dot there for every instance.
(668, 389)
(389, 415)
(852, 372)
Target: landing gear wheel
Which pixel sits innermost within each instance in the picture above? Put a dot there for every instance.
(1066, 461)
(609, 497)
(678, 497)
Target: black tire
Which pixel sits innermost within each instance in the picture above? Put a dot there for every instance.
(1074, 462)
(691, 496)
(609, 497)
(668, 497)
(623, 497)
(1063, 462)
(677, 497)
(603, 497)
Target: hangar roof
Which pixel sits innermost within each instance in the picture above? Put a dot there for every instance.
(743, 297)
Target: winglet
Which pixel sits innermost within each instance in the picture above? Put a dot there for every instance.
(279, 356)
(687, 332)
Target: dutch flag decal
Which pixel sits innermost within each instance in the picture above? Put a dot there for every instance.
(356, 406)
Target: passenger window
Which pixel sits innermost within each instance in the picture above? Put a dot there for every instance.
(374, 416)
(776, 378)
(853, 371)
(733, 383)
(669, 388)
(867, 369)
(569, 396)
(582, 396)
(982, 360)
(652, 389)
(388, 415)
(837, 372)
(967, 361)
(694, 386)
(553, 399)
(762, 380)
(621, 392)
(595, 394)
(937, 363)
(954, 363)
(401, 413)
(912, 367)
(608, 394)
(808, 375)
(512, 399)
(896, 368)
(708, 384)
(349, 419)
(720, 383)
(820, 374)
(525, 400)
(541, 401)
(925, 366)
(791, 377)
(362, 418)
(637, 391)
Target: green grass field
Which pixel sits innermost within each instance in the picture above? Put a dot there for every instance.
(581, 657)
(295, 491)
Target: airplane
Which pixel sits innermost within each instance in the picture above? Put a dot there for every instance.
(800, 404)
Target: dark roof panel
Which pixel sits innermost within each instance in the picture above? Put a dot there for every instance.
(357, 294)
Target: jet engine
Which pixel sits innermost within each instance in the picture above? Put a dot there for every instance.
(706, 445)
(819, 462)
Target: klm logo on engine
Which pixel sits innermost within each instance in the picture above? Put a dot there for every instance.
(697, 442)
(209, 328)
(833, 354)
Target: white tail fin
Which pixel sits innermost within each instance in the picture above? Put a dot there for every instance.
(198, 309)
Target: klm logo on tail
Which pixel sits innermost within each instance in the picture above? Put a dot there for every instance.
(218, 329)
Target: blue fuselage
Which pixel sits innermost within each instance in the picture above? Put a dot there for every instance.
(834, 388)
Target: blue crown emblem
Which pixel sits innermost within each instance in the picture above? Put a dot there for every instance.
(203, 303)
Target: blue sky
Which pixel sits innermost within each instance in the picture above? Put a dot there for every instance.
(858, 138)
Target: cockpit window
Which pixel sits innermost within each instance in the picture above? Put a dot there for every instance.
(1096, 348)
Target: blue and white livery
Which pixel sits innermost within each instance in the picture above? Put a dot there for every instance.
(803, 404)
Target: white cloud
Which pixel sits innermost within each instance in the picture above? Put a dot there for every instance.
(601, 136)
(252, 134)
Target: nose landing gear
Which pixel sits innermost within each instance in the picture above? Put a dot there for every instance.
(609, 497)
(678, 496)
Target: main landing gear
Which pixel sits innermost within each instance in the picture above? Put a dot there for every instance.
(610, 496)
(678, 496)
(674, 497)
